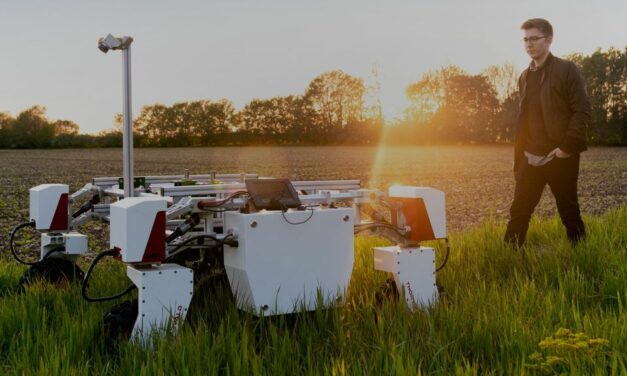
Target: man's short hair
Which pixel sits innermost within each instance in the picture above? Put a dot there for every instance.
(539, 23)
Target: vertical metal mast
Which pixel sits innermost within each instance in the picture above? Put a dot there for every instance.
(127, 135)
(124, 43)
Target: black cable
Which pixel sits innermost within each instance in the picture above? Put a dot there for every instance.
(13, 251)
(448, 251)
(232, 242)
(87, 206)
(301, 222)
(184, 227)
(197, 237)
(109, 252)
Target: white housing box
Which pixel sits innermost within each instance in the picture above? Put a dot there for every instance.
(132, 220)
(75, 244)
(434, 202)
(164, 294)
(44, 200)
(280, 267)
(413, 270)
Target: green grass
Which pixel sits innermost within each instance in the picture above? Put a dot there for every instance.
(505, 313)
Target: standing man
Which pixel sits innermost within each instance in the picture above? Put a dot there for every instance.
(554, 114)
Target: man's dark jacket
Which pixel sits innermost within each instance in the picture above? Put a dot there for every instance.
(565, 108)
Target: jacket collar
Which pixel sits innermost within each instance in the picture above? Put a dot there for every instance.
(547, 62)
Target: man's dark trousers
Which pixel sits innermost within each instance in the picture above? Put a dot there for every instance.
(561, 175)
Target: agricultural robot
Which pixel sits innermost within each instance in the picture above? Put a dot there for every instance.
(284, 246)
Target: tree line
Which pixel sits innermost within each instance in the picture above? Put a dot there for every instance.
(447, 105)
(32, 129)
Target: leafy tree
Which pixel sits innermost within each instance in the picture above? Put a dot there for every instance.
(606, 78)
(429, 94)
(185, 123)
(5, 120)
(5, 123)
(215, 120)
(471, 105)
(273, 120)
(504, 79)
(109, 138)
(31, 129)
(337, 99)
(66, 127)
(507, 119)
(450, 105)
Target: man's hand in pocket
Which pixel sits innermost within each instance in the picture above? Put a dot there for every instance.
(560, 154)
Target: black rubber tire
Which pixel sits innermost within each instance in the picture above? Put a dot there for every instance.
(442, 293)
(388, 291)
(119, 322)
(52, 270)
(212, 298)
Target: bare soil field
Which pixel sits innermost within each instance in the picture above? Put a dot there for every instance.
(477, 180)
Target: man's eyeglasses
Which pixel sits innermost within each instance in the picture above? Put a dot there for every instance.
(532, 39)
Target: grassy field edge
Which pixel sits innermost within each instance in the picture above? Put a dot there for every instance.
(547, 308)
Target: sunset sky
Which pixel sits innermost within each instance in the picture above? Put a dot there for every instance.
(240, 50)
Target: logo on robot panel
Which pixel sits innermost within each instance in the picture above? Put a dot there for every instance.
(176, 318)
(410, 292)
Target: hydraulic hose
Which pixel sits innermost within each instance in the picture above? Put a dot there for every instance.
(109, 252)
(189, 224)
(448, 251)
(13, 251)
(87, 206)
